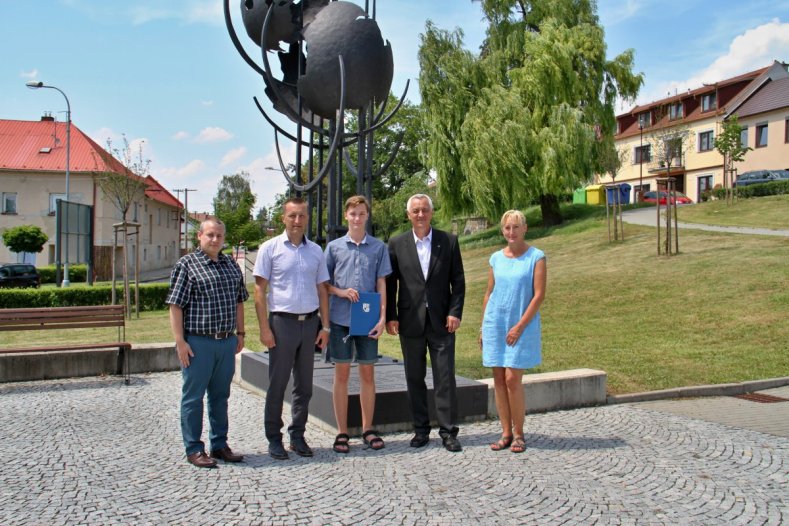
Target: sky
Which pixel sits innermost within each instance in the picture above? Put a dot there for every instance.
(164, 73)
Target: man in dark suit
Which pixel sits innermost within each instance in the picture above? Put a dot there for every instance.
(425, 293)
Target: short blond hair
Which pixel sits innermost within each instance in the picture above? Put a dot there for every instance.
(515, 214)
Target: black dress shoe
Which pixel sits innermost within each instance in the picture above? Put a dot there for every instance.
(227, 455)
(299, 445)
(201, 460)
(452, 444)
(277, 450)
(420, 440)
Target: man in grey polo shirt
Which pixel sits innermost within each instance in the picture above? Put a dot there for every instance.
(290, 290)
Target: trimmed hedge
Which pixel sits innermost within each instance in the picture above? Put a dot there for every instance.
(755, 190)
(152, 296)
(76, 273)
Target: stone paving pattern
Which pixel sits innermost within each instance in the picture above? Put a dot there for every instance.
(93, 451)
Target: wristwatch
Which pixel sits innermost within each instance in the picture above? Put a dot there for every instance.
(241, 333)
(327, 330)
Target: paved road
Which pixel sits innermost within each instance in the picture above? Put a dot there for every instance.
(93, 451)
(648, 216)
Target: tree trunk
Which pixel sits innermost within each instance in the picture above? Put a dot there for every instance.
(551, 214)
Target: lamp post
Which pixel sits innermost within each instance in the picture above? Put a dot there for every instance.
(641, 161)
(36, 85)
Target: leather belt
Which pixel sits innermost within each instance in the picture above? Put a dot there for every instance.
(298, 317)
(214, 335)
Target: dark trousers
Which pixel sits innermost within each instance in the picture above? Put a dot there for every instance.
(294, 352)
(442, 359)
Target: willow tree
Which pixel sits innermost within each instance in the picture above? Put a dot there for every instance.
(531, 116)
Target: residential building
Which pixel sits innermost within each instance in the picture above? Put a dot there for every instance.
(674, 137)
(32, 179)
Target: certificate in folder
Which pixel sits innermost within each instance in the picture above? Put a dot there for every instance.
(365, 313)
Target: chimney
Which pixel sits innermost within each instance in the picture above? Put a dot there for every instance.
(47, 117)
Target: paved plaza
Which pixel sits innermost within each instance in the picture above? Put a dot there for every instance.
(93, 451)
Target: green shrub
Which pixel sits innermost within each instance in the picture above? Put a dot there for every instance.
(152, 297)
(755, 190)
(76, 273)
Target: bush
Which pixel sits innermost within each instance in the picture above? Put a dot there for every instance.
(152, 297)
(76, 273)
(755, 190)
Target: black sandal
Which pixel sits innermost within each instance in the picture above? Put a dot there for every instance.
(376, 442)
(341, 443)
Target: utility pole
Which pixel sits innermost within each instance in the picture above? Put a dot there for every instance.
(186, 215)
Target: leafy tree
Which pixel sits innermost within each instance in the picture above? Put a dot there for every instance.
(529, 118)
(233, 205)
(25, 238)
(389, 214)
(123, 185)
(730, 146)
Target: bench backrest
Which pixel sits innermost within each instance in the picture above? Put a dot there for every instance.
(62, 318)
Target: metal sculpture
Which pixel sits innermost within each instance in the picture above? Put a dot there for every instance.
(332, 59)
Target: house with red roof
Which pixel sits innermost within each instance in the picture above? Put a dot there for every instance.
(760, 100)
(33, 178)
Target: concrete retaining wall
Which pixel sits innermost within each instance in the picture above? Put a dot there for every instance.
(30, 366)
(557, 390)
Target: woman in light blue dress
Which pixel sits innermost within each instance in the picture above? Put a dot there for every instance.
(510, 336)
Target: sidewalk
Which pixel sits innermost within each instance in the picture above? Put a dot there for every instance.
(647, 217)
(93, 451)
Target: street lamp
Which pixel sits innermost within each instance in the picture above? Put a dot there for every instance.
(641, 161)
(35, 85)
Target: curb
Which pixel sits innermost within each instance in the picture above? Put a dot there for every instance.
(700, 391)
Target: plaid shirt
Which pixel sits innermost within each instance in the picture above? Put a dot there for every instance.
(208, 291)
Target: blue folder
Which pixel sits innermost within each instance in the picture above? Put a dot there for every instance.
(365, 313)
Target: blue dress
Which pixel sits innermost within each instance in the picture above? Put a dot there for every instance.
(512, 293)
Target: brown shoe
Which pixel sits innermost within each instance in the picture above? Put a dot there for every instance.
(227, 455)
(201, 460)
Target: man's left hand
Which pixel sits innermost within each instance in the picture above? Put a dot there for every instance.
(240, 345)
(452, 324)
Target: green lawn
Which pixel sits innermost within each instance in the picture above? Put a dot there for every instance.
(762, 212)
(718, 312)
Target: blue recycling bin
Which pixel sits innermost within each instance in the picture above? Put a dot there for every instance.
(623, 191)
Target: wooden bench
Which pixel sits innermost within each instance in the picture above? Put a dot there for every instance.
(54, 318)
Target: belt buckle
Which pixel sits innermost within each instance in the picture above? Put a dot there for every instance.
(302, 317)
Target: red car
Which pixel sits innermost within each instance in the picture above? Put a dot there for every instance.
(678, 197)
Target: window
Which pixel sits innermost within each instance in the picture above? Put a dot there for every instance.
(706, 141)
(704, 184)
(8, 206)
(643, 154)
(709, 102)
(644, 119)
(761, 135)
(158, 252)
(744, 137)
(675, 111)
(53, 199)
(159, 217)
(674, 150)
(786, 130)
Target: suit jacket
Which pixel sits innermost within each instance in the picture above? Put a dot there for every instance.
(408, 293)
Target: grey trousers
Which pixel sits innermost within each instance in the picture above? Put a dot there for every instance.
(294, 352)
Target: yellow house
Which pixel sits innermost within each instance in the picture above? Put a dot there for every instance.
(674, 137)
(32, 179)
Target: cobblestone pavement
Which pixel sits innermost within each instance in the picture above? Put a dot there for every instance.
(93, 451)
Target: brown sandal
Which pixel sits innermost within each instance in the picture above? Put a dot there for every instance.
(518, 445)
(502, 443)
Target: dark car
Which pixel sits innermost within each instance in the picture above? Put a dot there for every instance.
(761, 176)
(18, 275)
